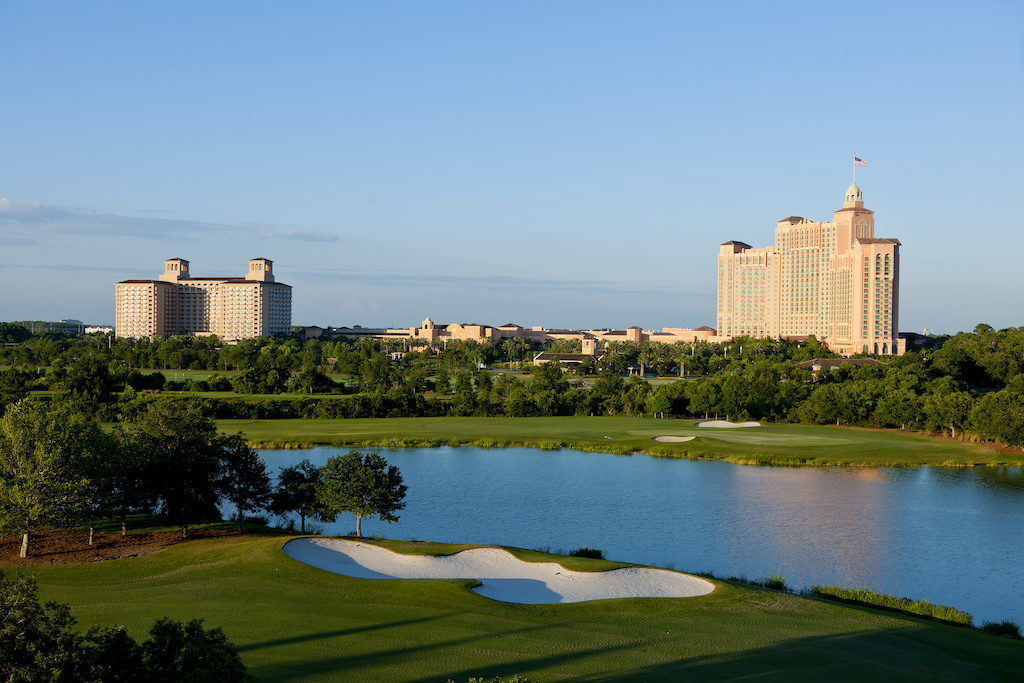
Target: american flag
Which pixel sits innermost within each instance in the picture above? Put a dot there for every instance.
(857, 161)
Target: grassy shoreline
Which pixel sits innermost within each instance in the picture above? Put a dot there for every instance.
(293, 622)
(771, 444)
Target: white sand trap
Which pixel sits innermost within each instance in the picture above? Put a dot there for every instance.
(725, 424)
(674, 439)
(504, 577)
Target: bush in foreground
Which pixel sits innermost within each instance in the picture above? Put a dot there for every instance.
(38, 643)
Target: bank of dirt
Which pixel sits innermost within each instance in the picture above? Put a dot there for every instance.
(51, 547)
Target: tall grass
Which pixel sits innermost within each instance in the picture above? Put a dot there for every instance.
(919, 608)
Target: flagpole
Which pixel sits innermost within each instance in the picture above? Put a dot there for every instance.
(854, 169)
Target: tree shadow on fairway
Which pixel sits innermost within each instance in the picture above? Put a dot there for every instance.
(334, 634)
(912, 653)
(395, 658)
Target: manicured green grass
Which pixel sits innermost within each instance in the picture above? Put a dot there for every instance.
(782, 444)
(186, 375)
(259, 397)
(294, 622)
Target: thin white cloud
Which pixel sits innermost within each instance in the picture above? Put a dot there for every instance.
(46, 218)
(37, 217)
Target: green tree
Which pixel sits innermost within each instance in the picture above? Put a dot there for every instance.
(703, 396)
(244, 481)
(14, 383)
(442, 380)
(40, 481)
(126, 487)
(465, 400)
(99, 467)
(1000, 415)
(296, 492)
(37, 642)
(12, 333)
(182, 450)
(188, 652)
(951, 410)
(88, 381)
(362, 484)
(311, 381)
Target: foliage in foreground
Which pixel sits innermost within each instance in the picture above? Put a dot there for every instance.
(920, 608)
(38, 643)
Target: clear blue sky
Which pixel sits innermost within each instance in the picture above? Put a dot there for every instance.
(566, 164)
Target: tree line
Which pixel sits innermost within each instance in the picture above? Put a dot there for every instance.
(58, 469)
(967, 385)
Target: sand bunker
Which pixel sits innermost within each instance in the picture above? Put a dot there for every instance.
(674, 439)
(724, 424)
(503, 577)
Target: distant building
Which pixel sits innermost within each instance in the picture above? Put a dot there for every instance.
(834, 280)
(589, 352)
(434, 333)
(65, 327)
(439, 334)
(229, 307)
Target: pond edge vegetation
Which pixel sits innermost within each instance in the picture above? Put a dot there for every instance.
(754, 459)
(862, 597)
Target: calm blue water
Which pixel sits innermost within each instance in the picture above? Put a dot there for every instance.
(951, 536)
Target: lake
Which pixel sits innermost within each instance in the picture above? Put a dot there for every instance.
(950, 536)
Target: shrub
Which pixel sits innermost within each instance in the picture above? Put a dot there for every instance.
(1006, 629)
(592, 553)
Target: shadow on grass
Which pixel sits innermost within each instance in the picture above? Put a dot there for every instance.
(351, 665)
(910, 653)
(890, 654)
(334, 634)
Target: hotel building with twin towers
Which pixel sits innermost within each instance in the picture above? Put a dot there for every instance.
(831, 279)
(178, 303)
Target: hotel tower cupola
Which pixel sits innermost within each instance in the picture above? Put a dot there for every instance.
(854, 199)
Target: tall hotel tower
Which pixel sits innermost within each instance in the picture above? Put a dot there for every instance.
(834, 280)
(229, 307)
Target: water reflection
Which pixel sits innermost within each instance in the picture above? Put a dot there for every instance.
(946, 535)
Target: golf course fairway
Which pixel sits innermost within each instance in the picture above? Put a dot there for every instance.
(294, 622)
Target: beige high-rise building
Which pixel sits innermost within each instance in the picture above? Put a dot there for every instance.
(834, 280)
(229, 307)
